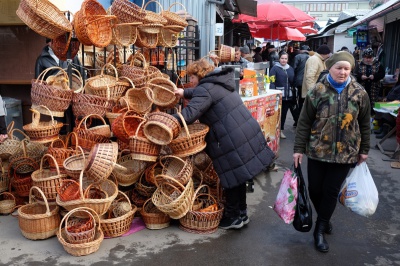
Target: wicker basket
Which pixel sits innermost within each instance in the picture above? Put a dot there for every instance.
(144, 188)
(100, 206)
(83, 248)
(86, 104)
(92, 24)
(38, 221)
(152, 171)
(4, 178)
(167, 37)
(107, 86)
(127, 11)
(114, 227)
(12, 144)
(44, 18)
(161, 128)
(191, 140)
(179, 169)
(80, 230)
(139, 99)
(125, 34)
(142, 148)
(117, 110)
(128, 170)
(68, 189)
(153, 217)
(61, 151)
(125, 126)
(61, 45)
(173, 198)
(74, 164)
(40, 131)
(173, 19)
(27, 158)
(47, 180)
(7, 203)
(88, 137)
(152, 22)
(136, 73)
(147, 40)
(22, 183)
(101, 161)
(203, 221)
(163, 92)
(225, 53)
(77, 81)
(56, 99)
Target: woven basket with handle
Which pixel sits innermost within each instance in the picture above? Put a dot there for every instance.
(153, 217)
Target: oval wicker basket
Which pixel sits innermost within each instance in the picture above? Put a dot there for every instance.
(152, 22)
(173, 198)
(115, 227)
(173, 19)
(38, 221)
(202, 221)
(144, 188)
(80, 230)
(44, 18)
(125, 126)
(191, 140)
(137, 74)
(40, 131)
(139, 99)
(88, 137)
(100, 206)
(152, 217)
(127, 11)
(179, 169)
(74, 164)
(61, 45)
(61, 151)
(83, 248)
(12, 144)
(47, 180)
(128, 170)
(142, 148)
(163, 92)
(125, 34)
(7, 203)
(161, 128)
(101, 161)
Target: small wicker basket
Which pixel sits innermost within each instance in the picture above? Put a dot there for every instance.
(101, 161)
(128, 170)
(161, 128)
(153, 217)
(7, 203)
(142, 148)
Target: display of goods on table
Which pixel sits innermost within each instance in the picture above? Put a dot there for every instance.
(38, 221)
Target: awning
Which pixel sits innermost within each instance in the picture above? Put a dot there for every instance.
(329, 27)
(378, 12)
(246, 7)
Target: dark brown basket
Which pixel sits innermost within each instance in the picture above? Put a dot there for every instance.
(126, 11)
(87, 104)
(161, 128)
(125, 125)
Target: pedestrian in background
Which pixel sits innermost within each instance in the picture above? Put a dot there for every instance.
(369, 74)
(245, 53)
(235, 142)
(257, 58)
(283, 75)
(299, 66)
(3, 125)
(334, 133)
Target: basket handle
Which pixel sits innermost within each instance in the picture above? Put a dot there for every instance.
(19, 131)
(57, 140)
(43, 197)
(90, 115)
(81, 209)
(170, 156)
(184, 125)
(143, 60)
(113, 67)
(81, 192)
(41, 76)
(54, 160)
(137, 129)
(151, 1)
(196, 193)
(53, 122)
(177, 3)
(10, 127)
(94, 185)
(129, 80)
(169, 179)
(69, 141)
(126, 114)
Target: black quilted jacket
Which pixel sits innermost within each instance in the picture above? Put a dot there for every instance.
(235, 142)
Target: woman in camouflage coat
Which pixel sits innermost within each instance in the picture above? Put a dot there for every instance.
(333, 130)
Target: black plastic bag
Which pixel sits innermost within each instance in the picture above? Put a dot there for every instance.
(303, 217)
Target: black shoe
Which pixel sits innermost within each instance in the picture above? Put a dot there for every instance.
(245, 219)
(231, 223)
(329, 229)
(319, 236)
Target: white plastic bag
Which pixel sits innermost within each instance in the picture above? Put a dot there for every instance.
(358, 192)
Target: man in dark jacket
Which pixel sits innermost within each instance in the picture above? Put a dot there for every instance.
(299, 65)
(235, 142)
(48, 59)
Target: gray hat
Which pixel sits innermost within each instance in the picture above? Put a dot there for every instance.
(305, 47)
(245, 49)
(340, 56)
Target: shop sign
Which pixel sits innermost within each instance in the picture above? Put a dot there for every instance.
(219, 29)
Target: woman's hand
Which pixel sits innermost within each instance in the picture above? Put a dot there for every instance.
(179, 93)
(371, 77)
(297, 157)
(364, 77)
(362, 158)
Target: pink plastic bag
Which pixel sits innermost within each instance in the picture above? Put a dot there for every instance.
(285, 203)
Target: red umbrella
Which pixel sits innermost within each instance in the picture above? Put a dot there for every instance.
(307, 30)
(275, 12)
(278, 33)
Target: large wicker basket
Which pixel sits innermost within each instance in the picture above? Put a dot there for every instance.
(87, 104)
(38, 221)
(117, 226)
(57, 100)
(44, 18)
(179, 169)
(100, 206)
(101, 161)
(161, 128)
(139, 99)
(127, 11)
(191, 140)
(81, 249)
(87, 137)
(163, 92)
(142, 148)
(172, 198)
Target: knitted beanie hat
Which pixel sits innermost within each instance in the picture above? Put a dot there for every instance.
(340, 56)
(323, 49)
(368, 52)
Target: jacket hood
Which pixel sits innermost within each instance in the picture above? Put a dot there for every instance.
(224, 78)
(283, 67)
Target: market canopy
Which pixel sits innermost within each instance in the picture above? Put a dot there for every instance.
(278, 33)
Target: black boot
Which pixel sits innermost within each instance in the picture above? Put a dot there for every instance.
(319, 236)
(329, 229)
(385, 130)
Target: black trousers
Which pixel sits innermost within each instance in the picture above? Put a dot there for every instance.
(3, 126)
(324, 182)
(235, 201)
(289, 105)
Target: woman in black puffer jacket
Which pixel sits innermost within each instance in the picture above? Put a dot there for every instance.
(235, 142)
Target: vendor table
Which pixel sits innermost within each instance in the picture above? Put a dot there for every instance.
(266, 109)
(386, 112)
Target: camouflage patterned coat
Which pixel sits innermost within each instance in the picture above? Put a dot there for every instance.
(334, 127)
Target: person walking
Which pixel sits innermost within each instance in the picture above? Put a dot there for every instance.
(369, 74)
(314, 66)
(283, 75)
(299, 66)
(235, 142)
(257, 58)
(333, 131)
